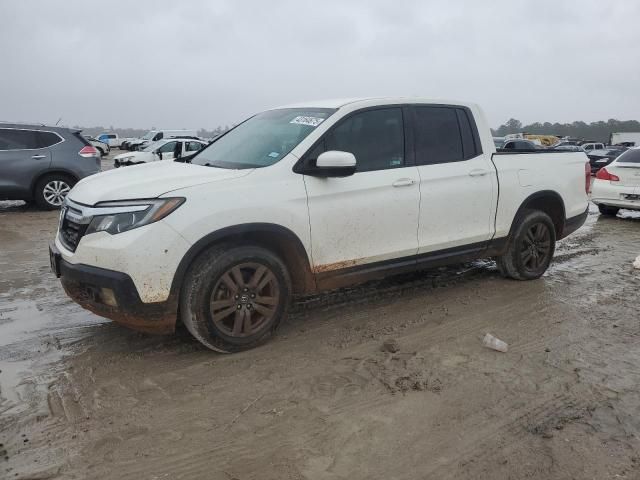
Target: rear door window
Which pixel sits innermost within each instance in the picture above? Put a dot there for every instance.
(470, 140)
(438, 138)
(12, 139)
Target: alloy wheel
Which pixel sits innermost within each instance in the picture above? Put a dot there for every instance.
(245, 299)
(55, 191)
(536, 246)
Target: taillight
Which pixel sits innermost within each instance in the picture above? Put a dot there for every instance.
(587, 177)
(88, 152)
(603, 174)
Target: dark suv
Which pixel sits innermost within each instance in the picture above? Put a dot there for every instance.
(42, 164)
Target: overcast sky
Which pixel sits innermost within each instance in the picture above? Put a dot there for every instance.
(192, 64)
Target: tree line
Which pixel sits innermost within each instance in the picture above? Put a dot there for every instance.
(596, 131)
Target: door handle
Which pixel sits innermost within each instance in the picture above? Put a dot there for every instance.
(38, 157)
(404, 182)
(478, 172)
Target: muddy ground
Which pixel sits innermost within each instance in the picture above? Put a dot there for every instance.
(85, 399)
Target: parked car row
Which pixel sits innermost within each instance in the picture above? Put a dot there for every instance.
(602, 158)
(102, 147)
(168, 149)
(136, 144)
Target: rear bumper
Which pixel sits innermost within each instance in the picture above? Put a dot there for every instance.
(574, 223)
(608, 193)
(113, 295)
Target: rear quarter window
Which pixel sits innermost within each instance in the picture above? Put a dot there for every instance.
(47, 139)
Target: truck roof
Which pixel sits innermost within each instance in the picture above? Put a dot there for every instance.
(370, 102)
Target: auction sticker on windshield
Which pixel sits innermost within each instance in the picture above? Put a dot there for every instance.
(311, 121)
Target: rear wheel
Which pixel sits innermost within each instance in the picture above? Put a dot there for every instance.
(608, 211)
(530, 249)
(51, 191)
(233, 298)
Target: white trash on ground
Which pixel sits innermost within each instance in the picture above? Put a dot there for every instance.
(636, 264)
(494, 343)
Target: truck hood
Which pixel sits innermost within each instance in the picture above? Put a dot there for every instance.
(148, 180)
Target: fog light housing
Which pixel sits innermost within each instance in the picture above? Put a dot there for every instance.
(108, 297)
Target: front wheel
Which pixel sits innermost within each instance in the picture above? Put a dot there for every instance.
(608, 211)
(530, 249)
(233, 298)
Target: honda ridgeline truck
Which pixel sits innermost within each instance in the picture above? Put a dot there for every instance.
(306, 198)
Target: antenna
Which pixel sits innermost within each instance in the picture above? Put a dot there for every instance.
(59, 120)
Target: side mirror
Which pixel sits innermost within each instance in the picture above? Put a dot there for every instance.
(160, 155)
(334, 163)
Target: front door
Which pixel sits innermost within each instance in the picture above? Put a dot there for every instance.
(372, 215)
(458, 186)
(170, 150)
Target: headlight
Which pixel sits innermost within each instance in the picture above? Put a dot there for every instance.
(125, 159)
(122, 216)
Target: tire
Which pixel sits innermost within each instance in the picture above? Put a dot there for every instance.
(51, 190)
(214, 275)
(608, 211)
(530, 248)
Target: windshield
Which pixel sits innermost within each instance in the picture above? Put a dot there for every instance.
(149, 135)
(263, 139)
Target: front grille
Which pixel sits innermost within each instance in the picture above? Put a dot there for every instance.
(70, 231)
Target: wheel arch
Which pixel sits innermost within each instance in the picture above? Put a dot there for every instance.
(276, 238)
(547, 201)
(53, 171)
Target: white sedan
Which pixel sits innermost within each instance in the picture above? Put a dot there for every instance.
(618, 184)
(166, 149)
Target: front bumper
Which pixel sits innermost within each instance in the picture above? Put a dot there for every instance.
(113, 295)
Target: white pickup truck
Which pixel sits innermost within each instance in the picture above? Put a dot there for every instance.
(111, 139)
(306, 198)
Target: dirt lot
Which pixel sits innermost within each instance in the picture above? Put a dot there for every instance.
(82, 398)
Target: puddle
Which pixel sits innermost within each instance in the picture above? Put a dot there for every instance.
(33, 338)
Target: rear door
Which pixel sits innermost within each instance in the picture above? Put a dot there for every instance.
(458, 184)
(24, 155)
(372, 215)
